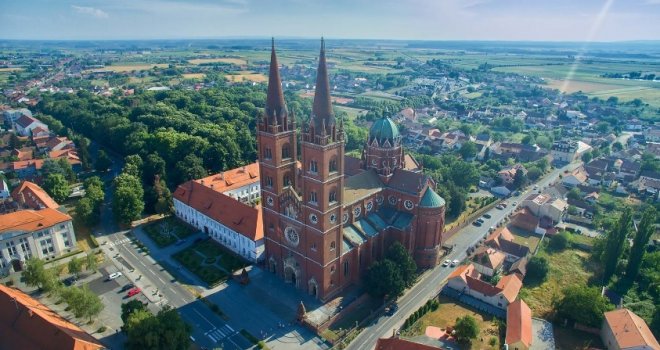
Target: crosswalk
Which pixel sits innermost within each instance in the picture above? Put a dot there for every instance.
(118, 242)
(217, 334)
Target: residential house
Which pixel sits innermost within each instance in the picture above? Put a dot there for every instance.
(622, 329)
(12, 115)
(466, 280)
(25, 124)
(488, 261)
(45, 234)
(508, 174)
(649, 185)
(501, 191)
(223, 206)
(652, 135)
(599, 172)
(543, 205)
(518, 326)
(27, 324)
(567, 151)
(502, 240)
(577, 177)
(40, 132)
(527, 221)
(59, 143)
(30, 196)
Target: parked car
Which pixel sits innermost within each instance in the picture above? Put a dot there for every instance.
(487, 216)
(446, 263)
(69, 281)
(391, 310)
(476, 223)
(114, 275)
(133, 292)
(499, 206)
(127, 287)
(454, 263)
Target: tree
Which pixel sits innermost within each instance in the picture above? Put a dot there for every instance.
(133, 165)
(190, 168)
(128, 201)
(90, 262)
(537, 269)
(645, 230)
(153, 165)
(468, 150)
(617, 146)
(398, 254)
(166, 330)
(85, 212)
(103, 162)
(57, 187)
(560, 241)
(34, 272)
(128, 308)
(534, 173)
(75, 266)
(584, 305)
(466, 328)
(587, 157)
(572, 210)
(614, 244)
(67, 169)
(519, 179)
(574, 194)
(384, 279)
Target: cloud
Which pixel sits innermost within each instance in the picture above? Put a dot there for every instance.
(182, 8)
(91, 11)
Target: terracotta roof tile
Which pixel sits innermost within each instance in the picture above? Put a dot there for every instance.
(241, 218)
(519, 323)
(30, 194)
(630, 331)
(27, 324)
(31, 220)
(510, 286)
(232, 179)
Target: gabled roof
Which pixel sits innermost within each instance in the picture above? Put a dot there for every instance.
(518, 323)
(489, 257)
(510, 286)
(361, 186)
(27, 324)
(232, 179)
(35, 197)
(630, 330)
(502, 239)
(408, 181)
(25, 120)
(235, 215)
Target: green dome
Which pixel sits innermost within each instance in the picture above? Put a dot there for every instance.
(384, 129)
(430, 199)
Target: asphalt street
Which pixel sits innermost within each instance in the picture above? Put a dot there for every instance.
(431, 281)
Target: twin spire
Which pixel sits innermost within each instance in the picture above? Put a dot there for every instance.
(322, 114)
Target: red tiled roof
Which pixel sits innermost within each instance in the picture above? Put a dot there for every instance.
(33, 196)
(237, 216)
(630, 331)
(519, 323)
(32, 220)
(510, 286)
(25, 120)
(232, 179)
(525, 220)
(401, 344)
(27, 324)
(489, 257)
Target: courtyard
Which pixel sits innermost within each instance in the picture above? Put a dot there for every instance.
(210, 261)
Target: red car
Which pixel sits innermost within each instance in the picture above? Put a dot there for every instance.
(133, 292)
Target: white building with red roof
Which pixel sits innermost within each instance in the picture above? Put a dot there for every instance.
(25, 124)
(622, 329)
(466, 280)
(223, 206)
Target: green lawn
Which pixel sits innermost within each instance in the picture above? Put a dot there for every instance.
(210, 261)
(194, 262)
(167, 231)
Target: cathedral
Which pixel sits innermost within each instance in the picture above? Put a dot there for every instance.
(328, 216)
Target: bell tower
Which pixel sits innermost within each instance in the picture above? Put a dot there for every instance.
(322, 149)
(276, 141)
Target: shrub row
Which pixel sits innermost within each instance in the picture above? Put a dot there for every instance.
(431, 305)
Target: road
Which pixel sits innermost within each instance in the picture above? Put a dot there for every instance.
(209, 330)
(431, 281)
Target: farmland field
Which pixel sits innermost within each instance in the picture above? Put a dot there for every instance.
(246, 76)
(196, 76)
(12, 69)
(236, 61)
(129, 67)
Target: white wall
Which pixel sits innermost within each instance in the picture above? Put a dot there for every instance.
(235, 241)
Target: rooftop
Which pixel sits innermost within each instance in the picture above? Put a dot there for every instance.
(232, 179)
(31, 220)
(630, 330)
(519, 323)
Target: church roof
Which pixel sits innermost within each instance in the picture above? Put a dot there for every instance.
(322, 108)
(431, 199)
(383, 130)
(407, 181)
(361, 186)
(275, 105)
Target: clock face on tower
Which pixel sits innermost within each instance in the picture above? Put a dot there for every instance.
(291, 236)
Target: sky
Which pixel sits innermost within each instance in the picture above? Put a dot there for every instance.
(535, 20)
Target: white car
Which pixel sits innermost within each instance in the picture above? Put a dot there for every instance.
(454, 263)
(114, 275)
(446, 263)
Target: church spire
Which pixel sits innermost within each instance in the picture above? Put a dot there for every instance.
(275, 105)
(322, 108)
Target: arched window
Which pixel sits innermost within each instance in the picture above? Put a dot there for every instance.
(313, 166)
(268, 153)
(333, 165)
(287, 180)
(332, 197)
(332, 245)
(312, 197)
(286, 153)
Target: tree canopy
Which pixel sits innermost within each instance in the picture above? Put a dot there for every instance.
(584, 305)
